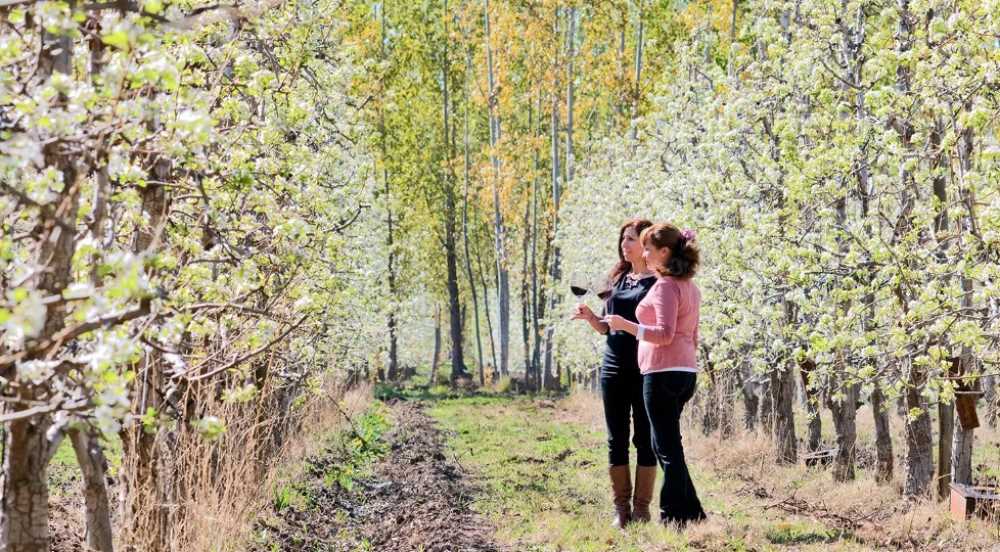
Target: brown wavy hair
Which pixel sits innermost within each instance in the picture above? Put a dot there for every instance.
(684, 254)
(623, 266)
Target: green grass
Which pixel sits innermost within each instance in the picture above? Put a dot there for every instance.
(64, 471)
(544, 484)
(292, 495)
(358, 447)
(800, 533)
(543, 481)
(346, 454)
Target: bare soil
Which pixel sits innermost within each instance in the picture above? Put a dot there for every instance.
(66, 524)
(415, 498)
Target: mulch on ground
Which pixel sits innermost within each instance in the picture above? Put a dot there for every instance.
(416, 498)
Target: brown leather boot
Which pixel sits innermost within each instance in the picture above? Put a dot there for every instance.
(621, 486)
(645, 480)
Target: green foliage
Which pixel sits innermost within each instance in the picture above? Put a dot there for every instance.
(358, 448)
(291, 496)
(815, 212)
(387, 392)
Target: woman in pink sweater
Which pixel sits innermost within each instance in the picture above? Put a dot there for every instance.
(667, 331)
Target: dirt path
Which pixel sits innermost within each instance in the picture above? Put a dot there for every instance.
(417, 498)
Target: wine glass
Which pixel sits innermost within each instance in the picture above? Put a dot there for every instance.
(580, 292)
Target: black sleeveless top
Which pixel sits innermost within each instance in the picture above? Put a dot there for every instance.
(620, 355)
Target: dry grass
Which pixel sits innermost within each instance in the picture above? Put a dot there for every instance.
(212, 491)
(225, 512)
(754, 501)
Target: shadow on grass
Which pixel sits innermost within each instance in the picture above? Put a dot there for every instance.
(792, 533)
(392, 392)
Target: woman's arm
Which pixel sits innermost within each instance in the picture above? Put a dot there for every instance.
(665, 299)
(583, 312)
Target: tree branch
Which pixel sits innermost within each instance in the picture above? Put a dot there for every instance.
(70, 333)
(249, 355)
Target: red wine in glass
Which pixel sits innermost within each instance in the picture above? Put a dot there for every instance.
(603, 295)
(581, 291)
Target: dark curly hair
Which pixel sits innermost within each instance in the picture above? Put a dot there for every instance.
(684, 255)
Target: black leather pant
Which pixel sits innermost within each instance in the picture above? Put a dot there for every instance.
(624, 411)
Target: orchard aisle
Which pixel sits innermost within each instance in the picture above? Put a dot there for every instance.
(541, 470)
(413, 497)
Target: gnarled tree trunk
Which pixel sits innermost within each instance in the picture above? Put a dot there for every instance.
(31, 440)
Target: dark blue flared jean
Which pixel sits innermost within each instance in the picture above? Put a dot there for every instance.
(665, 394)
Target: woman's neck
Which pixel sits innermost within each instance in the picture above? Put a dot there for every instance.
(639, 267)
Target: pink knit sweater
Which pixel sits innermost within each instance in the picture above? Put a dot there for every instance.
(668, 326)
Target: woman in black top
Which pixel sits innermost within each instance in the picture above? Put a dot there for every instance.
(621, 383)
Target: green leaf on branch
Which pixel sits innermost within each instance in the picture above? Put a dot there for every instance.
(117, 39)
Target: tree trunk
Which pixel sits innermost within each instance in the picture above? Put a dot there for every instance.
(450, 245)
(765, 408)
(391, 325)
(503, 280)
(534, 382)
(465, 225)
(32, 441)
(783, 398)
(525, 289)
(455, 309)
(709, 389)
(961, 460)
(486, 311)
(815, 425)
(436, 359)
(812, 406)
(570, 107)
(637, 75)
(24, 526)
(919, 441)
(727, 423)
(542, 366)
(883, 438)
(569, 164)
(946, 430)
(551, 381)
(845, 426)
(145, 522)
(990, 398)
(964, 437)
(751, 400)
(97, 511)
(961, 455)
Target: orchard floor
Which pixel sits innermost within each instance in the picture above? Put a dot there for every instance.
(442, 470)
(475, 471)
(407, 495)
(541, 465)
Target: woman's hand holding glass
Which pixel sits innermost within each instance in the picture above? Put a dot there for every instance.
(583, 312)
(616, 322)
